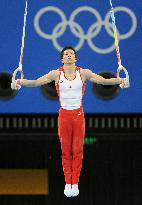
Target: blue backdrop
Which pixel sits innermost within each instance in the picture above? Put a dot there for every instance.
(83, 24)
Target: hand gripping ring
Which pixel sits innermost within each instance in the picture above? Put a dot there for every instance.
(126, 74)
(19, 69)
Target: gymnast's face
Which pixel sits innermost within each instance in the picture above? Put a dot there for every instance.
(69, 57)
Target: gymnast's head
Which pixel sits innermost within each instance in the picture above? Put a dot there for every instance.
(68, 55)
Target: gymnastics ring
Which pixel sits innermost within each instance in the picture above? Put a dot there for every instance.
(126, 74)
(19, 69)
(13, 83)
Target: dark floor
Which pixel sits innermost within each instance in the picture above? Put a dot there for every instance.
(111, 173)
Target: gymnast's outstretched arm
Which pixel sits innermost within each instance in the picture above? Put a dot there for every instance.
(95, 78)
(47, 78)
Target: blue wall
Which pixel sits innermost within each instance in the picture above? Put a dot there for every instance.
(42, 55)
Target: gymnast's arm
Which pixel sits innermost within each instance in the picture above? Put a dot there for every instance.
(89, 75)
(49, 77)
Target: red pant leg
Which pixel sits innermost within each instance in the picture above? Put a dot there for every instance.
(65, 136)
(77, 146)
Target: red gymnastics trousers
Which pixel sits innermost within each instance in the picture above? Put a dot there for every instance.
(71, 131)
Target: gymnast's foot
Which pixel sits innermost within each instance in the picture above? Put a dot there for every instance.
(68, 190)
(75, 190)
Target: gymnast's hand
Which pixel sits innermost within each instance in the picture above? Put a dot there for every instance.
(15, 85)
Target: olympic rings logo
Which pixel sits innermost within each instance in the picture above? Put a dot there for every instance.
(78, 31)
